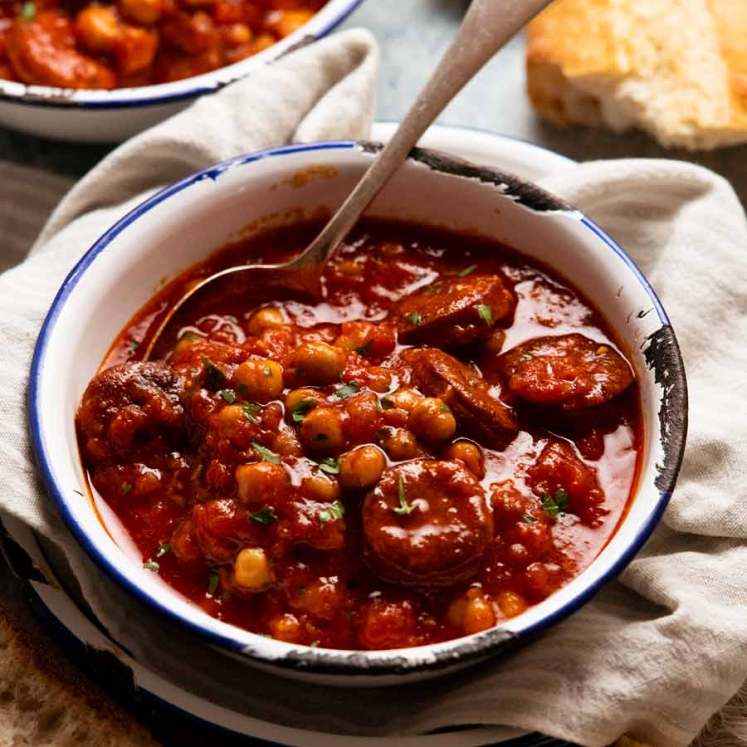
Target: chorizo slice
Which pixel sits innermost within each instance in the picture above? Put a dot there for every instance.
(571, 372)
(427, 523)
(42, 52)
(563, 481)
(454, 311)
(129, 400)
(476, 409)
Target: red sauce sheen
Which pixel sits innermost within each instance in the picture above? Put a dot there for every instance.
(445, 440)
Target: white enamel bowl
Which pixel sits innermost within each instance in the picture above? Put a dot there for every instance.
(122, 270)
(113, 116)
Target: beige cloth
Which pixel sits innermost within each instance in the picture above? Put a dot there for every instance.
(653, 655)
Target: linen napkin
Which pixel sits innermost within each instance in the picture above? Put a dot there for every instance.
(654, 654)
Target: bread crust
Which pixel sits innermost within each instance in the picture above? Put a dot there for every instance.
(675, 68)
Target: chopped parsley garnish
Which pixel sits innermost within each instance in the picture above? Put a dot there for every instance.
(347, 390)
(466, 271)
(555, 504)
(331, 466)
(264, 453)
(335, 511)
(405, 508)
(414, 318)
(214, 377)
(485, 313)
(250, 412)
(302, 409)
(265, 516)
(528, 519)
(228, 395)
(28, 11)
(151, 565)
(213, 584)
(267, 371)
(125, 488)
(445, 407)
(163, 549)
(133, 346)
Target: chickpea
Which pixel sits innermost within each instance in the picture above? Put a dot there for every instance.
(406, 398)
(494, 344)
(399, 444)
(229, 417)
(304, 398)
(252, 570)
(432, 420)
(238, 35)
(322, 488)
(98, 28)
(262, 378)
(472, 612)
(319, 362)
(145, 12)
(286, 628)
(269, 317)
(321, 429)
(470, 454)
(361, 468)
(290, 21)
(286, 443)
(378, 379)
(262, 42)
(511, 603)
(260, 481)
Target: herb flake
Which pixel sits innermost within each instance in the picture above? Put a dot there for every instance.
(302, 409)
(415, 318)
(466, 271)
(125, 488)
(347, 390)
(264, 516)
(485, 313)
(28, 11)
(250, 412)
(334, 511)
(528, 519)
(228, 395)
(405, 508)
(556, 504)
(151, 565)
(264, 453)
(330, 466)
(163, 549)
(214, 377)
(213, 581)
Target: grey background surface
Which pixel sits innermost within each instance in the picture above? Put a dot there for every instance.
(413, 33)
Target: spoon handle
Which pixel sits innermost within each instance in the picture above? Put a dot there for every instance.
(487, 26)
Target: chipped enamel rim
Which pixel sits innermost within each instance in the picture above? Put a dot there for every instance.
(666, 429)
(327, 19)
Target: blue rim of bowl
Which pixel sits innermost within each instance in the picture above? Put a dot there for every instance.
(328, 661)
(114, 101)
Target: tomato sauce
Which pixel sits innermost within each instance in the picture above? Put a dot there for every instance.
(74, 44)
(444, 440)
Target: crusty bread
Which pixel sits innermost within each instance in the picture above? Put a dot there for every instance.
(45, 701)
(675, 68)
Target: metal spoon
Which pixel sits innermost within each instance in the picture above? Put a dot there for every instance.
(486, 27)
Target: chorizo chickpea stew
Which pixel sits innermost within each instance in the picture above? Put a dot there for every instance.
(448, 437)
(126, 43)
(454, 438)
